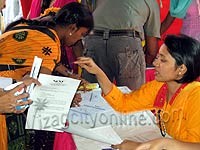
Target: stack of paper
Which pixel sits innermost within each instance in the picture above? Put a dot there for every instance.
(104, 134)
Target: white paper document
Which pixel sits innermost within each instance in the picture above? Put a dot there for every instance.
(34, 72)
(139, 134)
(4, 82)
(94, 109)
(51, 102)
(104, 134)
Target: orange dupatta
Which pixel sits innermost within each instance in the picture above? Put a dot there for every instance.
(3, 133)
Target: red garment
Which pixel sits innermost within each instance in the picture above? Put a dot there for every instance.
(64, 141)
(173, 29)
(150, 74)
(26, 4)
(61, 3)
(35, 9)
(175, 26)
(161, 96)
(71, 58)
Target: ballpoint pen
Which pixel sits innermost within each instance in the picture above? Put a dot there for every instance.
(91, 96)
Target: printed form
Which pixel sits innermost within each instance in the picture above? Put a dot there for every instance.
(51, 102)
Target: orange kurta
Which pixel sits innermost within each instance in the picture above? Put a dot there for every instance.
(18, 47)
(181, 119)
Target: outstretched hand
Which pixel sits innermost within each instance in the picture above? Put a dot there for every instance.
(88, 64)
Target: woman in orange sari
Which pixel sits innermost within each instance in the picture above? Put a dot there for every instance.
(42, 38)
(25, 39)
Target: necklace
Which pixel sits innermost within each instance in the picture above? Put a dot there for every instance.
(160, 101)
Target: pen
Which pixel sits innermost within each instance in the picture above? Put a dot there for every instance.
(91, 97)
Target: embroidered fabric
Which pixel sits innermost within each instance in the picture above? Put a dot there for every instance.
(161, 96)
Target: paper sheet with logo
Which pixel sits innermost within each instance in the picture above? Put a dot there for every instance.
(51, 102)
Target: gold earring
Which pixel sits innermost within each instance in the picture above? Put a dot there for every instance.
(179, 73)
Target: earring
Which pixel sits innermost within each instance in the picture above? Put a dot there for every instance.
(179, 73)
(70, 34)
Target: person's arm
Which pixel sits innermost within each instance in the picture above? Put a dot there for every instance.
(151, 32)
(151, 49)
(166, 23)
(127, 145)
(168, 144)
(8, 100)
(88, 64)
(157, 144)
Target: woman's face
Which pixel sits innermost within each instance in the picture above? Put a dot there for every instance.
(74, 36)
(165, 66)
(2, 4)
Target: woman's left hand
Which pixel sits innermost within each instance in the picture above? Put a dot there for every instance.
(126, 145)
(88, 64)
(83, 83)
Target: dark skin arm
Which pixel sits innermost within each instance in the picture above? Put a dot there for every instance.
(151, 49)
(166, 23)
(151, 42)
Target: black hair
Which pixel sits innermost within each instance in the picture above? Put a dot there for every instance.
(75, 13)
(45, 5)
(71, 13)
(185, 50)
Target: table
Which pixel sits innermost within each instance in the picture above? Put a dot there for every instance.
(95, 112)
